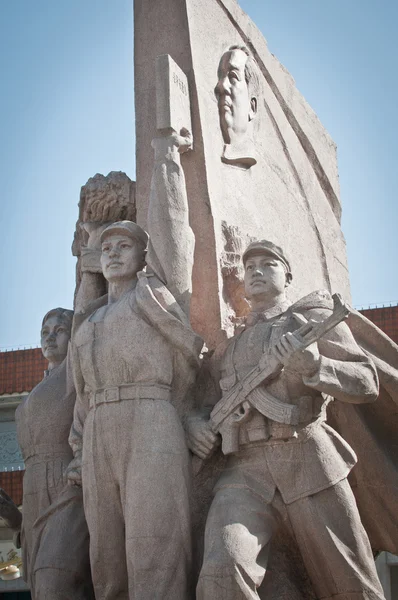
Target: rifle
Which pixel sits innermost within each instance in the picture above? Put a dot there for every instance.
(234, 407)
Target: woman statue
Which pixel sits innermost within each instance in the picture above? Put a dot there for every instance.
(54, 534)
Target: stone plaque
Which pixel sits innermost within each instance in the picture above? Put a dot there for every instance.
(173, 109)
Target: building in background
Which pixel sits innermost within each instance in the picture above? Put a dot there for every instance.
(386, 318)
(22, 370)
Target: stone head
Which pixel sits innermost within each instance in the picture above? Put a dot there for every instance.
(237, 91)
(267, 270)
(55, 334)
(123, 251)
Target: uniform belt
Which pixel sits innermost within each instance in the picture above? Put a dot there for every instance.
(309, 409)
(48, 452)
(309, 412)
(130, 391)
(279, 431)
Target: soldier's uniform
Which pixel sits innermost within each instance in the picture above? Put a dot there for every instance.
(304, 466)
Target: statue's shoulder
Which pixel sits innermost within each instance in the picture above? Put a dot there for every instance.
(81, 316)
(317, 300)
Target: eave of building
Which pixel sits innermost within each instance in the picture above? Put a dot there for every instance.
(12, 400)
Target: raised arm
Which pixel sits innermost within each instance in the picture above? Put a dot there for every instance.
(171, 246)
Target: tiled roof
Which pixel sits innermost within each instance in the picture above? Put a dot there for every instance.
(386, 318)
(21, 370)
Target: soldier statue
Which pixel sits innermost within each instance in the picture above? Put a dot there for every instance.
(285, 462)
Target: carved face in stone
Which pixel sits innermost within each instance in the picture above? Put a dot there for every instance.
(122, 257)
(55, 335)
(235, 104)
(265, 275)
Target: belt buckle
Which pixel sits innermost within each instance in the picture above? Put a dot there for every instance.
(280, 431)
(111, 394)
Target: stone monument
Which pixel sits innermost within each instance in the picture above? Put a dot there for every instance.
(228, 153)
(262, 167)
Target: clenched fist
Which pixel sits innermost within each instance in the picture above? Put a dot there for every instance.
(292, 353)
(200, 437)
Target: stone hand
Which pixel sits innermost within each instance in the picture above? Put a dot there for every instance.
(184, 141)
(91, 252)
(9, 511)
(200, 437)
(291, 352)
(106, 207)
(94, 231)
(74, 472)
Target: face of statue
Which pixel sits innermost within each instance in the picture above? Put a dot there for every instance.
(265, 276)
(121, 258)
(55, 335)
(235, 106)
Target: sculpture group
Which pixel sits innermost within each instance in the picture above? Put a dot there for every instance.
(115, 435)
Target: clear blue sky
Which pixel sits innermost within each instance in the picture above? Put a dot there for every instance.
(67, 113)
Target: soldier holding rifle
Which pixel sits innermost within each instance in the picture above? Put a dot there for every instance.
(284, 461)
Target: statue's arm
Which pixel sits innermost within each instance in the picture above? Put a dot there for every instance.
(201, 439)
(171, 245)
(92, 284)
(344, 370)
(73, 471)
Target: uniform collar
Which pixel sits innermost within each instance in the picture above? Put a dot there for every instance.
(262, 317)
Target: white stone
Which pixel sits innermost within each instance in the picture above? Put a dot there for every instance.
(173, 109)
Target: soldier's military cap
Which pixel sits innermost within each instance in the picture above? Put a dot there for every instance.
(128, 228)
(269, 248)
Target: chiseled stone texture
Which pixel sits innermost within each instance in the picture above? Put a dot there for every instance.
(291, 195)
(107, 198)
(103, 199)
(173, 110)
